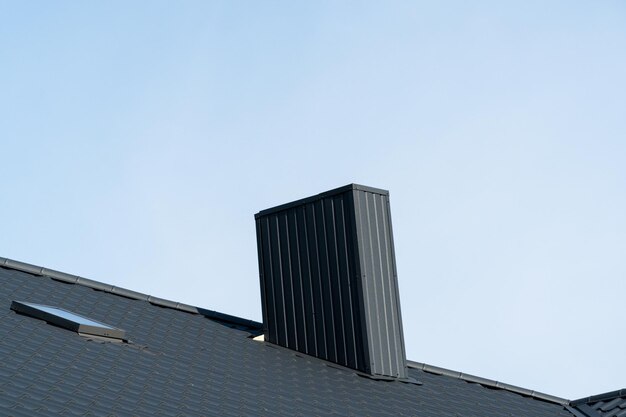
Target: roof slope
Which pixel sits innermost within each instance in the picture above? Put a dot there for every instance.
(180, 363)
(610, 404)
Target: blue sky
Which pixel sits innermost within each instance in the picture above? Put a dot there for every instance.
(138, 140)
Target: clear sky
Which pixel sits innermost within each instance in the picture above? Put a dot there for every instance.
(138, 139)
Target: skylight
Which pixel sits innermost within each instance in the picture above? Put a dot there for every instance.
(67, 320)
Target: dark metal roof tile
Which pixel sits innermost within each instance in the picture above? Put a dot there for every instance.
(613, 412)
(611, 404)
(183, 364)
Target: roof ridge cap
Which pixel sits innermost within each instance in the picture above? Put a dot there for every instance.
(487, 382)
(134, 295)
(601, 397)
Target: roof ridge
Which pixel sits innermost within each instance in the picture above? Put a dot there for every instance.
(123, 292)
(490, 383)
(601, 397)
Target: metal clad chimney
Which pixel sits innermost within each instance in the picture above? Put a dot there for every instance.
(329, 284)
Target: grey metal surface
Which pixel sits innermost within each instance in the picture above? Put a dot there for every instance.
(226, 319)
(608, 404)
(182, 364)
(328, 279)
(487, 382)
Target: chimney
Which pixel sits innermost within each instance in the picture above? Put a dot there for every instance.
(329, 284)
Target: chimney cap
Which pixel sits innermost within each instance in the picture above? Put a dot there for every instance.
(320, 196)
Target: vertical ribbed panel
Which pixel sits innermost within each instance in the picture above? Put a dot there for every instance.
(328, 279)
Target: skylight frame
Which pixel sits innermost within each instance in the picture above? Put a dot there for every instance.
(68, 320)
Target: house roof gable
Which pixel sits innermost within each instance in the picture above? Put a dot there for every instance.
(183, 360)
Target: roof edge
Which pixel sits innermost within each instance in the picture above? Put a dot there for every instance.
(490, 383)
(123, 292)
(231, 320)
(600, 397)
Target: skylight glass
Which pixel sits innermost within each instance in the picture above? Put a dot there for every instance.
(67, 319)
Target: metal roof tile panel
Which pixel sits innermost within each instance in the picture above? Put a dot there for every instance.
(186, 364)
(609, 404)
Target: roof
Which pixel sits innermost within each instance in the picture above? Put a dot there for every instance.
(610, 404)
(182, 360)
